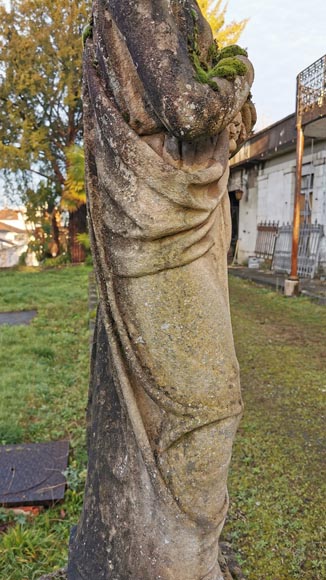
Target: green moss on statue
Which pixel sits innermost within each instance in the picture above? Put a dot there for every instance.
(230, 51)
(227, 68)
(202, 74)
(87, 31)
(219, 63)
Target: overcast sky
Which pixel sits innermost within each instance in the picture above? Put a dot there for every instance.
(283, 37)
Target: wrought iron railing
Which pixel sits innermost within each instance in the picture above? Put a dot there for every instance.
(265, 241)
(308, 251)
(312, 87)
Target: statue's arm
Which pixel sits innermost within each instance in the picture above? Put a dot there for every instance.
(188, 108)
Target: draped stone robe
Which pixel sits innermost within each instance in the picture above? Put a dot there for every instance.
(164, 400)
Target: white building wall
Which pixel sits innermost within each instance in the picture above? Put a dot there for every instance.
(10, 252)
(319, 195)
(269, 194)
(18, 223)
(9, 256)
(276, 183)
(18, 242)
(247, 220)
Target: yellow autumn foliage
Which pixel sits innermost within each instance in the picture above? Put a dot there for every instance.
(40, 88)
(215, 13)
(74, 194)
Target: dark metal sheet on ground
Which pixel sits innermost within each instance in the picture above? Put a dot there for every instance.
(32, 473)
(17, 318)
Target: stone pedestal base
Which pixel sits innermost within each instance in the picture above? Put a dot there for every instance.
(291, 287)
(228, 563)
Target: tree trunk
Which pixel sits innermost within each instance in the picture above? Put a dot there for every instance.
(55, 245)
(77, 225)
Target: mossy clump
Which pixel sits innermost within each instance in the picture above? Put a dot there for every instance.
(227, 68)
(215, 55)
(217, 63)
(230, 51)
(202, 74)
(87, 30)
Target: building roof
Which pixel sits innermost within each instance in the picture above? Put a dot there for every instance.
(7, 228)
(275, 140)
(6, 243)
(9, 214)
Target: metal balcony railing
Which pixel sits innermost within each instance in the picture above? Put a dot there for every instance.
(311, 87)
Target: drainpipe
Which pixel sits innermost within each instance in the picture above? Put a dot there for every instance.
(291, 286)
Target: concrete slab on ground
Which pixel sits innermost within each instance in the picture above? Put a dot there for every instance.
(32, 473)
(17, 318)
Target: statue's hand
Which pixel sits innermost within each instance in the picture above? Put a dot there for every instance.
(188, 109)
(234, 88)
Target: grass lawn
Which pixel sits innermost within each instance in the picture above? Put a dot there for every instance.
(43, 391)
(278, 477)
(277, 481)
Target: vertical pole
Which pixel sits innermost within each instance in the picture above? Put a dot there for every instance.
(296, 209)
(292, 284)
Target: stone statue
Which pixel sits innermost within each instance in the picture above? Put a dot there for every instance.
(161, 107)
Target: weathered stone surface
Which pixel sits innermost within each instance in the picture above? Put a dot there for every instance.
(58, 575)
(229, 566)
(164, 400)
